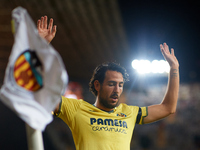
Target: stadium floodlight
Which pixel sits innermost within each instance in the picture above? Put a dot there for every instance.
(147, 67)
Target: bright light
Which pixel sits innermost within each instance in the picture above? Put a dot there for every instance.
(146, 67)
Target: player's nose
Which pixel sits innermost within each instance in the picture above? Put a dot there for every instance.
(117, 89)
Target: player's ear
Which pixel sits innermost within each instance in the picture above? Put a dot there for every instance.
(97, 85)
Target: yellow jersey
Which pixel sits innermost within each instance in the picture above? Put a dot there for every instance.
(95, 129)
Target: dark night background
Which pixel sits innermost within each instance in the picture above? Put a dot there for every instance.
(150, 23)
(147, 24)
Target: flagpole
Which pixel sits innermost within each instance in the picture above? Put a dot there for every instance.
(34, 138)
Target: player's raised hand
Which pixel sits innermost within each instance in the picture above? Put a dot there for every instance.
(169, 57)
(46, 32)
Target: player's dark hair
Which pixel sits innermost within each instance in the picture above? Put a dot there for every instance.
(100, 71)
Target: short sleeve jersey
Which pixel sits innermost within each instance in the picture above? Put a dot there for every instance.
(95, 129)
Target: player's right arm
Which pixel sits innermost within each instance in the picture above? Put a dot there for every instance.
(47, 32)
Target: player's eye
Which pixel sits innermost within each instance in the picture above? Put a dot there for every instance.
(111, 84)
(121, 85)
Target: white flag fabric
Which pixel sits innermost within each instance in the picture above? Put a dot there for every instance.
(35, 75)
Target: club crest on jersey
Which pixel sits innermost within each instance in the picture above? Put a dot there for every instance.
(121, 115)
(28, 71)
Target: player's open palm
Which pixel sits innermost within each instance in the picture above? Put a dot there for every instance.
(169, 57)
(46, 32)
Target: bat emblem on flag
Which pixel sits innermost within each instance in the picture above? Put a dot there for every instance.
(28, 71)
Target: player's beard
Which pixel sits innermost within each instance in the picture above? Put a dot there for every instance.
(105, 102)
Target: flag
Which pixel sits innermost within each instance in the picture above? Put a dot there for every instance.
(35, 75)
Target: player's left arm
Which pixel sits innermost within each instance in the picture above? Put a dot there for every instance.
(169, 103)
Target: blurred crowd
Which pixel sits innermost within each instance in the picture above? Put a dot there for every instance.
(180, 131)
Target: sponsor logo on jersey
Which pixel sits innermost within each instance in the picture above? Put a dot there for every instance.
(28, 71)
(111, 125)
(109, 122)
